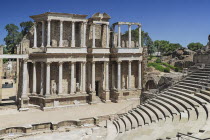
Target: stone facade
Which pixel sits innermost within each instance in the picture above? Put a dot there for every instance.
(1, 67)
(75, 60)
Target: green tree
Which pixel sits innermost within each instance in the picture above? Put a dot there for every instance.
(194, 46)
(12, 38)
(25, 27)
(173, 47)
(145, 39)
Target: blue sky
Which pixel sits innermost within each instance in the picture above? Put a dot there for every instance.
(178, 21)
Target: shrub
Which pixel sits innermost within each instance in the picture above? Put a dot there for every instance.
(158, 60)
(176, 69)
(166, 69)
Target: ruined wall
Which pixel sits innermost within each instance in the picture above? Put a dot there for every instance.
(1, 64)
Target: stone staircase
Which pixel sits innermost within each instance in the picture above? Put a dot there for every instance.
(182, 108)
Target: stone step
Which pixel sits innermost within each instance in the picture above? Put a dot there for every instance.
(149, 112)
(197, 79)
(145, 117)
(199, 76)
(192, 84)
(127, 123)
(156, 111)
(121, 125)
(139, 118)
(203, 96)
(134, 123)
(162, 109)
(190, 88)
(178, 89)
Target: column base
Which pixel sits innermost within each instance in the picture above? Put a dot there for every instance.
(24, 102)
(106, 96)
(93, 98)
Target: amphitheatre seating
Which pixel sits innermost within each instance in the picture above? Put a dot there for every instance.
(184, 108)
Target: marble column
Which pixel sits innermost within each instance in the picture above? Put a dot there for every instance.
(42, 79)
(60, 79)
(107, 76)
(34, 77)
(129, 74)
(139, 36)
(139, 75)
(84, 34)
(43, 28)
(35, 35)
(73, 34)
(72, 78)
(113, 76)
(93, 77)
(48, 33)
(94, 37)
(107, 36)
(119, 75)
(48, 79)
(129, 36)
(61, 34)
(119, 36)
(25, 80)
(84, 77)
(113, 45)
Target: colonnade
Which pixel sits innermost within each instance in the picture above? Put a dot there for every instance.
(83, 39)
(129, 35)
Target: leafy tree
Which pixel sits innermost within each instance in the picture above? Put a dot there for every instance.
(194, 46)
(25, 27)
(12, 38)
(145, 39)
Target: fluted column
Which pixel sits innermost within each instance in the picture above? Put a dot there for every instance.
(60, 79)
(35, 35)
(42, 79)
(48, 79)
(34, 77)
(73, 34)
(25, 80)
(48, 33)
(61, 34)
(129, 36)
(119, 75)
(43, 39)
(72, 77)
(84, 34)
(84, 77)
(107, 76)
(129, 74)
(139, 36)
(139, 75)
(113, 75)
(113, 45)
(107, 36)
(94, 38)
(93, 76)
(119, 37)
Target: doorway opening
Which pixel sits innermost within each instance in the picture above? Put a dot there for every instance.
(97, 87)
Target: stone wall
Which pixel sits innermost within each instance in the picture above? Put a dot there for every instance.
(1, 67)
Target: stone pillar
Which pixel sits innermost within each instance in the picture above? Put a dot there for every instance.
(119, 75)
(119, 37)
(73, 34)
(48, 33)
(25, 80)
(35, 35)
(94, 38)
(72, 78)
(139, 36)
(93, 77)
(34, 77)
(61, 34)
(60, 79)
(42, 79)
(43, 39)
(84, 77)
(107, 76)
(48, 79)
(107, 36)
(139, 75)
(84, 34)
(129, 74)
(113, 36)
(113, 76)
(129, 36)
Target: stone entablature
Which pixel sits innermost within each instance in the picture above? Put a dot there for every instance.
(72, 58)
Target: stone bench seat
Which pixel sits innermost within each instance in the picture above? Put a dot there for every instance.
(147, 110)
(145, 117)
(178, 89)
(156, 111)
(203, 96)
(191, 88)
(132, 119)
(193, 85)
(139, 118)
(127, 123)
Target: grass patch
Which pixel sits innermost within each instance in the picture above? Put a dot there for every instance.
(159, 67)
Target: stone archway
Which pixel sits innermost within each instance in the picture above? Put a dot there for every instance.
(150, 84)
